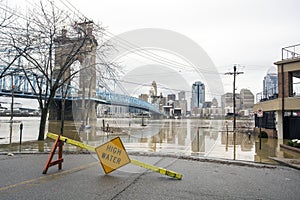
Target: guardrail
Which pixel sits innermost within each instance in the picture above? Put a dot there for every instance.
(290, 52)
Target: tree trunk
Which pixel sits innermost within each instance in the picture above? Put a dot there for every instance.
(43, 124)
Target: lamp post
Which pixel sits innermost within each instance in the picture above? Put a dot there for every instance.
(260, 116)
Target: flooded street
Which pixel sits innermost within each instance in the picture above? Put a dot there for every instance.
(188, 137)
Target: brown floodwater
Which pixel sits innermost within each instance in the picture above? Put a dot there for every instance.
(188, 137)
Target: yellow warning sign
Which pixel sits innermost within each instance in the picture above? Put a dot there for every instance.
(112, 155)
(110, 150)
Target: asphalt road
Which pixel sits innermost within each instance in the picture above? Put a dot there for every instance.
(83, 178)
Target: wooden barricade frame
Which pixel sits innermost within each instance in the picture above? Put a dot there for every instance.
(58, 143)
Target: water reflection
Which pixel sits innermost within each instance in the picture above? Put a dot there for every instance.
(205, 138)
(180, 137)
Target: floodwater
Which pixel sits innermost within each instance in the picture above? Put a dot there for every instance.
(188, 137)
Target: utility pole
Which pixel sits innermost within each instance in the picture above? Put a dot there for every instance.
(234, 73)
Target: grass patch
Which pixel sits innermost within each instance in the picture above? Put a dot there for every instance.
(294, 143)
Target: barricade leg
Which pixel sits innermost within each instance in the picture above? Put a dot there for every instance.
(59, 161)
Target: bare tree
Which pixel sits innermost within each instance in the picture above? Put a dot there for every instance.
(7, 57)
(43, 35)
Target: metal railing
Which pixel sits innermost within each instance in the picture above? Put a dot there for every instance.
(290, 52)
(269, 94)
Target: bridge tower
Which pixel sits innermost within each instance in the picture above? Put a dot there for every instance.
(83, 49)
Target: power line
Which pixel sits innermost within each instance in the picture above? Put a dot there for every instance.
(142, 51)
(128, 46)
(160, 87)
(234, 73)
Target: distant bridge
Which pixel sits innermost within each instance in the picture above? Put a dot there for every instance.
(22, 89)
(25, 84)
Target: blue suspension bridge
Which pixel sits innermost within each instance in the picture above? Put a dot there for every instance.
(14, 82)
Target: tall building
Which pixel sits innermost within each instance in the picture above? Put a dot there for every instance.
(198, 95)
(247, 99)
(214, 102)
(227, 102)
(182, 104)
(164, 101)
(154, 87)
(153, 93)
(181, 95)
(270, 84)
(171, 97)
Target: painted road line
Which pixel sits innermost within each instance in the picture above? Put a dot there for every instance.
(132, 161)
(46, 178)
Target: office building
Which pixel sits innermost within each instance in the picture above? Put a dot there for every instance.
(247, 100)
(198, 95)
(181, 95)
(270, 84)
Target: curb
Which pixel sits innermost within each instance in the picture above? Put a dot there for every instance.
(211, 160)
(287, 162)
(188, 158)
(297, 150)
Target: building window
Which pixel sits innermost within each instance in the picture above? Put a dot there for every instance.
(294, 84)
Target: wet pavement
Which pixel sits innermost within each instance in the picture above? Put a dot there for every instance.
(188, 138)
(82, 178)
(44, 147)
(204, 177)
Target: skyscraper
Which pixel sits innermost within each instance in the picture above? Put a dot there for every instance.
(153, 93)
(270, 83)
(214, 102)
(171, 97)
(181, 95)
(154, 86)
(227, 102)
(198, 95)
(247, 99)
(181, 103)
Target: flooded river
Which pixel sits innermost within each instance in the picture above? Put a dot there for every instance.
(188, 137)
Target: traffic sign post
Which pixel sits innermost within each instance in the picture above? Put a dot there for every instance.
(260, 115)
(113, 155)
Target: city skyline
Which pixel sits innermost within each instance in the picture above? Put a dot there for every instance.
(232, 32)
(245, 98)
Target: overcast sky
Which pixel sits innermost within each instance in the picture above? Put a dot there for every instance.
(250, 33)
